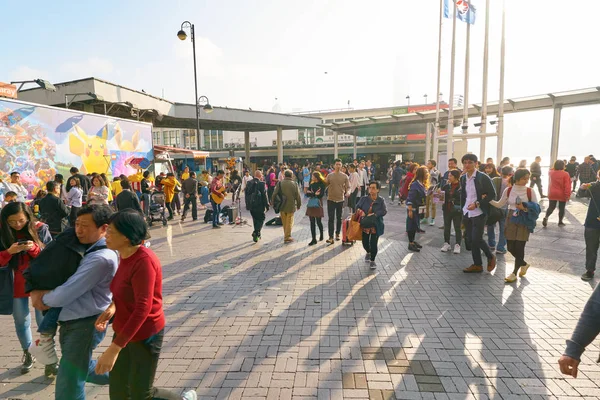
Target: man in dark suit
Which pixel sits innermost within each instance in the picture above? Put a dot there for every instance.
(53, 210)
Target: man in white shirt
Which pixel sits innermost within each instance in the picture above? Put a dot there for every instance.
(15, 186)
(364, 178)
(477, 192)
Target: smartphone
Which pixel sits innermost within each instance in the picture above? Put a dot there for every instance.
(22, 242)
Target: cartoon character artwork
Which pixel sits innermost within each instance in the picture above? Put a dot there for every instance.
(23, 163)
(38, 150)
(126, 145)
(29, 180)
(6, 160)
(91, 149)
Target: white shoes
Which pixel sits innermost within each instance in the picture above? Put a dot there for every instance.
(446, 247)
(44, 350)
(189, 395)
(432, 222)
(457, 249)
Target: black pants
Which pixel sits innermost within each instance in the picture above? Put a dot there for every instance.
(363, 191)
(258, 220)
(536, 181)
(517, 249)
(73, 215)
(474, 238)
(334, 209)
(574, 184)
(454, 218)
(394, 190)
(592, 244)
(186, 205)
(133, 374)
(270, 191)
(369, 241)
(170, 208)
(561, 209)
(314, 222)
(177, 203)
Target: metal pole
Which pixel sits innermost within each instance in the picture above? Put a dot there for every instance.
(555, 134)
(428, 142)
(335, 145)
(279, 145)
(500, 127)
(355, 150)
(247, 147)
(436, 132)
(196, 90)
(465, 123)
(483, 127)
(449, 143)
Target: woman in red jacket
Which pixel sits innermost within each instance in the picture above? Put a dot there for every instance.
(139, 319)
(560, 191)
(21, 239)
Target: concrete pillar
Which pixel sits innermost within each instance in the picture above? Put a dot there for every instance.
(428, 142)
(435, 143)
(247, 147)
(335, 145)
(555, 134)
(354, 150)
(279, 145)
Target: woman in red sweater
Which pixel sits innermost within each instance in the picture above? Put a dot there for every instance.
(560, 191)
(139, 319)
(21, 239)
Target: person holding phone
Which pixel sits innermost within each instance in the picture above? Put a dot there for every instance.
(316, 189)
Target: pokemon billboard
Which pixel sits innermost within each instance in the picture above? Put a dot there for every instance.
(41, 141)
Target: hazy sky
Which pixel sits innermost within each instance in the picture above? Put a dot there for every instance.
(375, 53)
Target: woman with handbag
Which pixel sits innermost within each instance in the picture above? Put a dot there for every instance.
(415, 202)
(314, 209)
(373, 209)
(452, 211)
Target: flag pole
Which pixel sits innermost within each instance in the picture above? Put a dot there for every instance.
(500, 127)
(483, 127)
(465, 123)
(436, 131)
(450, 134)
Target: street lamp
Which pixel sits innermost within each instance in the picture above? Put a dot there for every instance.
(40, 82)
(182, 35)
(408, 99)
(425, 98)
(94, 96)
(207, 107)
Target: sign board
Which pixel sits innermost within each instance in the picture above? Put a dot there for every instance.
(8, 90)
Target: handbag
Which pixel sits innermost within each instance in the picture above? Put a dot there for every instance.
(369, 221)
(313, 202)
(354, 230)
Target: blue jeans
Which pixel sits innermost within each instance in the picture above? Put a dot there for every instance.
(216, 212)
(78, 338)
(22, 318)
(491, 233)
(50, 321)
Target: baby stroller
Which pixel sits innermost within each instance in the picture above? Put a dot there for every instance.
(158, 209)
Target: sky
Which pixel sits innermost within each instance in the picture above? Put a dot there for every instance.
(300, 55)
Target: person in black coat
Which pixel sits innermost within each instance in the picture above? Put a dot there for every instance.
(127, 199)
(257, 203)
(53, 210)
(83, 180)
(189, 188)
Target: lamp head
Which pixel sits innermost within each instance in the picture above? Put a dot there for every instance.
(207, 108)
(182, 35)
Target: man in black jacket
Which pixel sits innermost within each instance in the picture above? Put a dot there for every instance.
(83, 180)
(257, 203)
(53, 210)
(536, 175)
(189, 187)
(127, 199)
(477, 192)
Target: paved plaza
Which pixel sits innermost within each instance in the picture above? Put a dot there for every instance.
(275, 321)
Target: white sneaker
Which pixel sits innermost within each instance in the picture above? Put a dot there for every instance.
(44, 350)
(432, 222)
(446, 247)
(457, 249)
(189, 395)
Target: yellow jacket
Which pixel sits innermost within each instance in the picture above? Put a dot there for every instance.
(169, 188)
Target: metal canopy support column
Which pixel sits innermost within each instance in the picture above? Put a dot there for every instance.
(279, 145)
(555, 134)
(247, 147)
(428, 142)
(335, 144)
(354, 150)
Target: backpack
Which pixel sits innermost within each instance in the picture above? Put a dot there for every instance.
(529, 196)
(253, 200)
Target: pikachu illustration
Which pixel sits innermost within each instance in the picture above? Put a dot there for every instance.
(126, 145)
(92, 150)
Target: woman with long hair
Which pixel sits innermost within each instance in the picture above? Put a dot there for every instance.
(316, 189)
(98, 193)
(410, 175)
(74, 199)
(139, 318)
(518, 197)
(21, 239)
(491, 171)
(271, 180)
(417, 193)
(354, 180)
(107, 184)
(452, 211)
(559, 192)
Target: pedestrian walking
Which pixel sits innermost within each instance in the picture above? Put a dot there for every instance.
(189, 188)
(586, 173)
(500, 185)
(452, 211)
(536, 175)
(572, 167)
(338, 187)
(592, 228)
(289, 198)
(430, 206)
(147, 190)
(364, 178)
(397, 174)
(271, 180)
(354, 181)
(373, 209)
(415, 203)
(477, 190)
(523, 211)
(168, 185)
(74, 199)
(306, 176)
(257, 203)
(21, 240)
(559, 191)
(314, 208)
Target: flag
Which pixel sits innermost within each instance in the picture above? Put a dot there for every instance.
(465, 11)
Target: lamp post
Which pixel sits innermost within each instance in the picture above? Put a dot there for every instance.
(207, 109)
(182, 36)
(40, 82)
(90, 94)
(425, 96)
(408, 99)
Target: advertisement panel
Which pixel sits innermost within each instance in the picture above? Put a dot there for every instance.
(41, 141)
(8, 90)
